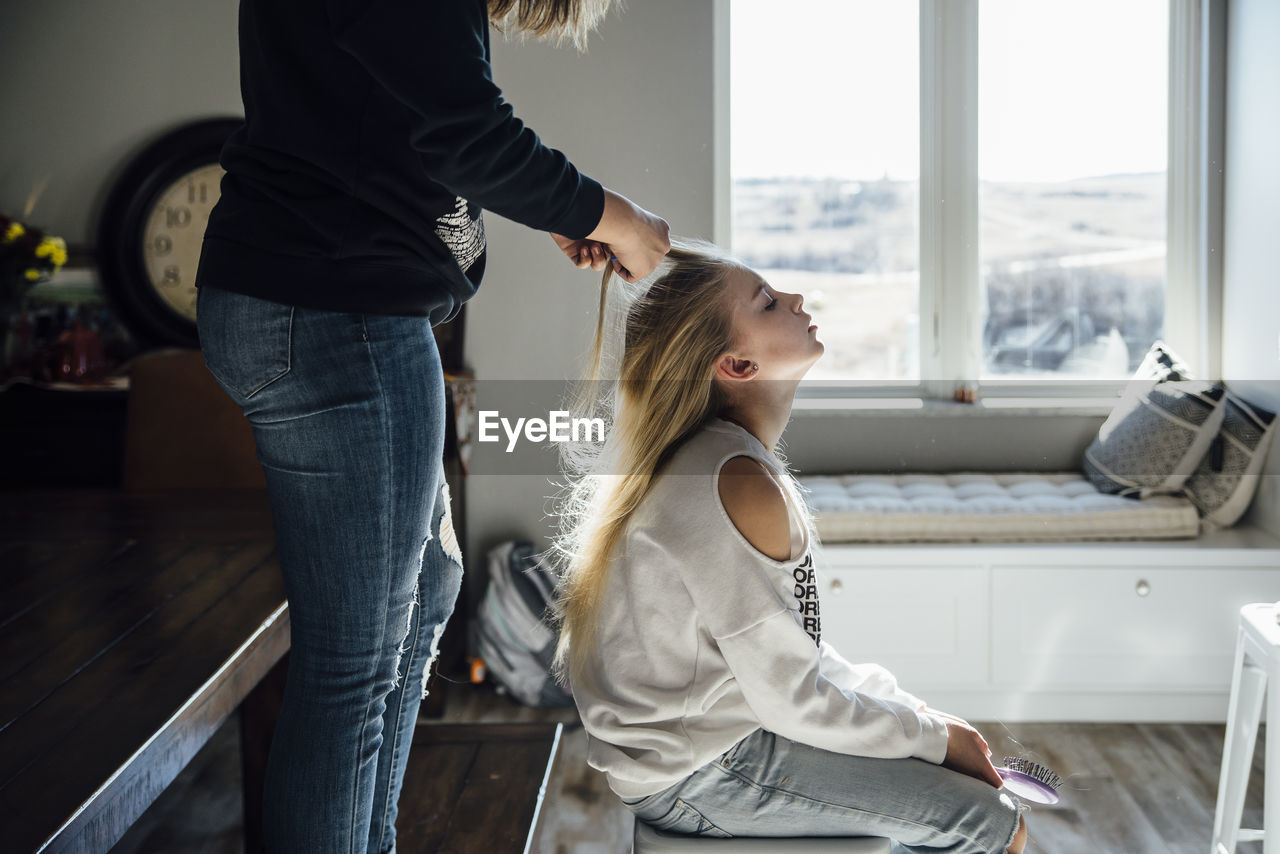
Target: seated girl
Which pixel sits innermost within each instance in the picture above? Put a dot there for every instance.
(691, 632)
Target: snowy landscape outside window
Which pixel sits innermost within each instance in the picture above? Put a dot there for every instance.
(1072, 140)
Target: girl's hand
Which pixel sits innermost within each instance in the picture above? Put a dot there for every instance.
(953, 719)
(583, 253)
(968, 754)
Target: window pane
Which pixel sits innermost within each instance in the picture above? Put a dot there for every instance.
(1073, 141)
(825, 167)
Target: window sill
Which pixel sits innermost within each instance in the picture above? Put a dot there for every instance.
(993, 407)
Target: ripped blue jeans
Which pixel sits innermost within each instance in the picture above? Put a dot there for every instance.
(348, 412)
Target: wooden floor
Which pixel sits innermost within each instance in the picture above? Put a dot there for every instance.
(1129, 789)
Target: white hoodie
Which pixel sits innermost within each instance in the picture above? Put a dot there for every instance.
(702, 639)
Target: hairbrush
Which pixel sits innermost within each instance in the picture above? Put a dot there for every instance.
(1030, 780)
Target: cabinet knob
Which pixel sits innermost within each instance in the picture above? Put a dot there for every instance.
(837, 586)
(1143, 587)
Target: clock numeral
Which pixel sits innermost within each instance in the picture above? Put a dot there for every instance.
(198, 193)
(177, 217)
(172, 276)
(162, 244)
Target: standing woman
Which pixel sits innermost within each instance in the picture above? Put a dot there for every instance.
(348, 225)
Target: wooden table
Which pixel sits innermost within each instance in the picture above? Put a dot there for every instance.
(131, 626)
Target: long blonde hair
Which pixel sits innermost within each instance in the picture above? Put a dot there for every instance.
(558, 19)
(675, 330)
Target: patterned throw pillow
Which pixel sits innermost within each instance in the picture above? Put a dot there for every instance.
(1158, 432)
(1224, 483)
(1162, 365)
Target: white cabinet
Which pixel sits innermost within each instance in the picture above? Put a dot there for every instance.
(927, 625)
(1073, 631)
(1126, 627)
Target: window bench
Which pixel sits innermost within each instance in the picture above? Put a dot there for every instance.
(1099, 631)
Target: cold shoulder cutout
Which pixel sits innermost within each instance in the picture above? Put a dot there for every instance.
(757, 506)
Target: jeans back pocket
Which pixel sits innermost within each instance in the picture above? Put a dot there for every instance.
(246, 341)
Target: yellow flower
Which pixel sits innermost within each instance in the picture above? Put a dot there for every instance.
(15, 231)
(32, 275)
(53, 248)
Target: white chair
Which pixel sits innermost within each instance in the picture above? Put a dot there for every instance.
(1257, 671)
(650, 840)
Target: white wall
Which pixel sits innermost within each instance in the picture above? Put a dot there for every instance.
(1251, 227)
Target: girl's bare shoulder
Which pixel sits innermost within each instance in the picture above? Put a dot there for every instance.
(757, 506)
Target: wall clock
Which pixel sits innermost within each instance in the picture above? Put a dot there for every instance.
(152, 228)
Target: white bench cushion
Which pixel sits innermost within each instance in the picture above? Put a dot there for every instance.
(979, 507)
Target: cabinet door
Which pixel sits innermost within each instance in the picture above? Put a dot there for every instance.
(929, 627)
(1120, 628)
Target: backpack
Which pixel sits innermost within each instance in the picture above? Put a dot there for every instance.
(512, 627)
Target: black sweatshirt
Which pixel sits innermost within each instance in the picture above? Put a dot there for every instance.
(373, 136)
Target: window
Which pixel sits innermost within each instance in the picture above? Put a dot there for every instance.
(964, 191)
(825, 168)
(1073, 139)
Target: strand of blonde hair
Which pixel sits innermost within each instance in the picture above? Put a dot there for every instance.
(561, 20)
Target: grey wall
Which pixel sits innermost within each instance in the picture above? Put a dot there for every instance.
(1251, 250)
(89, 84)
(636, 112)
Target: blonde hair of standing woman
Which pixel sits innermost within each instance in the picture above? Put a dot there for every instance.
(675, 331)
(558, 19)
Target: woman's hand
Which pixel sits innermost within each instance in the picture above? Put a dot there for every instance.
(967, 753)
(583, 253)
(636, 238)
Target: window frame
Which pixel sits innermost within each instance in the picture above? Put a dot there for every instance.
(950, 353)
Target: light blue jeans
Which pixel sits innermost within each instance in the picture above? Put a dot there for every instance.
(767, 785)
(348, 412)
